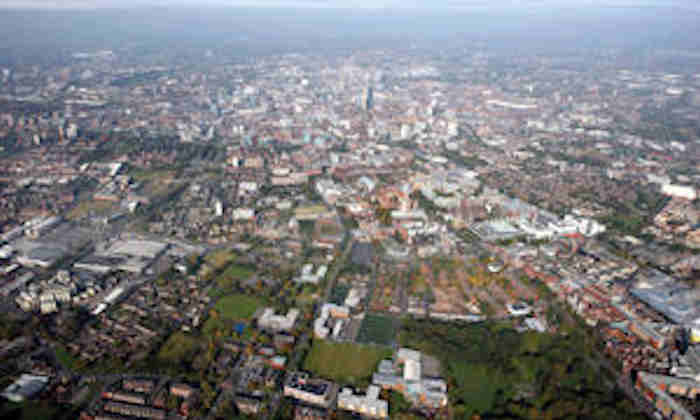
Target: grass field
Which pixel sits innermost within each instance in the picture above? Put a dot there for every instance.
(98, 207)
(237, 306)
(65, 358)
(227, 279)
(146, 175)
(346, 363)
(179, 347)
(213, 326)
(234, 272)
(225, 259)
(230, 308)
(220, 258)
(155, 182)
(377, 329)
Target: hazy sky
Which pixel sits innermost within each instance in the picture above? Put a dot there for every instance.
(364, 4)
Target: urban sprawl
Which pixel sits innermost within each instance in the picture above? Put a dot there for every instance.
(307, 237)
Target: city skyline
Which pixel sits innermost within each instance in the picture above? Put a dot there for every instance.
(463, 5)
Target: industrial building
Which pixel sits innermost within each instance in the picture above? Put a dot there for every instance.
(494, 230)
(25, 387)
(37, 227)
(132, 256)
(676, 301)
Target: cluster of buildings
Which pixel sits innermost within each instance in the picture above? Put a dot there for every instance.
(424, 391)
(650, 320)
(300, 386)
(308, 275)
(269, 320)
(410, 156)
(409, 375)
(146, 398)
(331, 320)
(369, 404)
(524, 219)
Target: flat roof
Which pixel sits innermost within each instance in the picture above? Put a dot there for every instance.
(137, 248)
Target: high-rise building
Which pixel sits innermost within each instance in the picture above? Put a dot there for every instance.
(368, 98)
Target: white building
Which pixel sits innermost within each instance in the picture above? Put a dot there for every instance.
(6, 252)
(354, 297)
(247, 188)
(329, 311)
(412, 370)
(308, 276)
(367, 183)
(26, 301)
(312, 391)
(367, 405)
(410, 381)
(270, 321)
(72, 131)
(658, 179)
(405, 131)
(452, 128)
(679, 191)
(243, 214)
(25, 387)
(47, 303)
(518, 309)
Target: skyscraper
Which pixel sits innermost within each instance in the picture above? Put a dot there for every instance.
(367, 98)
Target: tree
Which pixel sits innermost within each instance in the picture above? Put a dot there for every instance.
(208, 394)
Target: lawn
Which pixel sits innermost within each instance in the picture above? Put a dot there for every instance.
(155, 182)
(179, 347)
(238, 307)
(237, 272)
(377, 329)
(220, 258)
(231, 308)
(214, 326)
(145, 175)
(347, 363)
(97, 207)
(233, 273)
(65, 358)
